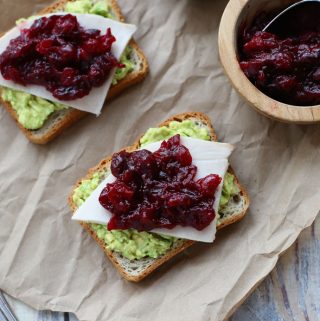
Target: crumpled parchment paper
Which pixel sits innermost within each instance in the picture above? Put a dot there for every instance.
(49, 262)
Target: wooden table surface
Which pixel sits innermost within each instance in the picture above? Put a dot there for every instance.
(290, 293)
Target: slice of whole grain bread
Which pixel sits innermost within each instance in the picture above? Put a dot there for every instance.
(62, 119)
(136, 270)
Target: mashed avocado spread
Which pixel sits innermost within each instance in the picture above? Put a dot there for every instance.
(130, 243)
(229, 190)
(185, 128)
(101, 8)
(33, 111)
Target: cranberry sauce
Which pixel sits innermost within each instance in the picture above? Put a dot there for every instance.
(286, 68)
(57, 53)
(158, 190)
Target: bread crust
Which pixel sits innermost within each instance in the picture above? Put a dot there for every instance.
(73, 114)
(105, 164)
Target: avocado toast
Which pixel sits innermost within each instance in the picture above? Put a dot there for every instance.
(137, 254)
(42, 120)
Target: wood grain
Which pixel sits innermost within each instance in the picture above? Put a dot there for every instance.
(290, 293)
(236, 13)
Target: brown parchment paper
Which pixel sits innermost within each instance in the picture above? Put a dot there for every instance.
(49, 262)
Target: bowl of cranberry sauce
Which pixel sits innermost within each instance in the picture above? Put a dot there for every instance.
(278, 75)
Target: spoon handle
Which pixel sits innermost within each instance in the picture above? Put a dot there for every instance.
(5, 309)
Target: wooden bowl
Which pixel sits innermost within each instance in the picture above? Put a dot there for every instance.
(237, 13)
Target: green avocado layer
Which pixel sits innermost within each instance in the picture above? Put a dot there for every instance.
(130, 243)
(101, 8)
(33, 111)
(229, 189)
(187, 128)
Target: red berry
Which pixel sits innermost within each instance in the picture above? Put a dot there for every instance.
(284, 68)
(57, 53)
(158, 190)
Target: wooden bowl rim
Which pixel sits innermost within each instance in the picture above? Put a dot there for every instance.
(227, 42)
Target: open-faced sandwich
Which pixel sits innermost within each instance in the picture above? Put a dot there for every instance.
(155, 198)
(61, 64)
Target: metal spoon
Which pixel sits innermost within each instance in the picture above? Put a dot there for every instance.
(5, 309)
(303, 14)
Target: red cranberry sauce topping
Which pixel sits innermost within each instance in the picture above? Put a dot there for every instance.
(286, 69)
(158, 190)
(59, 54)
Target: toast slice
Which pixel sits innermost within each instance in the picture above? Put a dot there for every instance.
(58, 121)
(136, 270)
